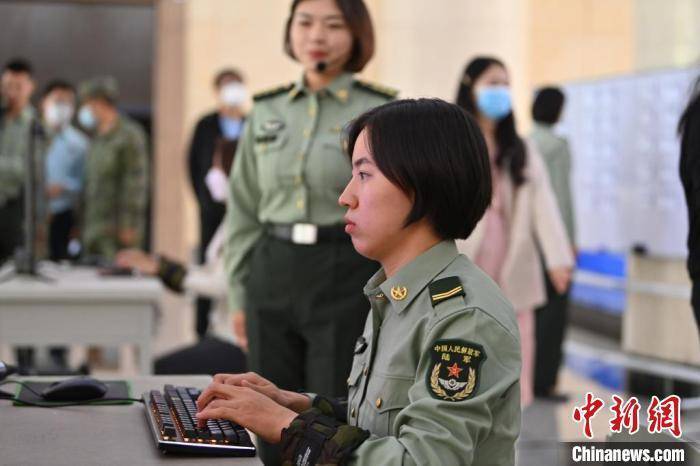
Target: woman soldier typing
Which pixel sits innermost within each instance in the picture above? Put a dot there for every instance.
(295, 279)
(435, 379)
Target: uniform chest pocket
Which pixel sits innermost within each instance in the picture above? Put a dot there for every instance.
(335, 163)
(270, 150)
(386, 396)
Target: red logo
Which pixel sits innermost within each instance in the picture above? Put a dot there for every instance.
(626, 415)
(661, 415)
(586, 412)
(665, 415)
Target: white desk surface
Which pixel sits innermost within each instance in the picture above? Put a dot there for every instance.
(93, 435)
(78, 283)
(76, 305)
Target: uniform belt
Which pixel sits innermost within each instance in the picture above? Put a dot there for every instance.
(306, 233)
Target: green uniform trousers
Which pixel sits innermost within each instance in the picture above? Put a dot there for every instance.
(304, 313)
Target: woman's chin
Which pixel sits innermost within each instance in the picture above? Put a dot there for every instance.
(361, 247)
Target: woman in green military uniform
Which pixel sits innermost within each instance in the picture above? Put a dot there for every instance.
(295, 279)
(435, 379)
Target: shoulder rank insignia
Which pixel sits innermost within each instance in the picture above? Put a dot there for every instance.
(386, 92)
(273, 92)
(445, 288)
(453, 374)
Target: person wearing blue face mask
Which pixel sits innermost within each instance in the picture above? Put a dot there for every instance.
(226, 122)
(523, 213)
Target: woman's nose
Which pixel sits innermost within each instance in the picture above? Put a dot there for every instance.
(318, 32)
(347, 198)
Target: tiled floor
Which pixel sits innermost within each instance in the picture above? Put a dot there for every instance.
(545, 425)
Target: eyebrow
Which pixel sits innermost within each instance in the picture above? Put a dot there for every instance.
(361, 161)
(325, 18)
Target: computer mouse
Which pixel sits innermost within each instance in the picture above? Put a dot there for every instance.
(76, 389)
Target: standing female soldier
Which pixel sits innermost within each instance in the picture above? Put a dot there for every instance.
(295, 279)
(435, 378)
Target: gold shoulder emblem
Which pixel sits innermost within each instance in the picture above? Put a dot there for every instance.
(384, 91)
(272, 92)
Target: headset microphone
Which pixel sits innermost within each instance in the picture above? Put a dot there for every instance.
(321, 66)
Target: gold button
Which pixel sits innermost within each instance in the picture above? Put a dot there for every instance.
(300, 204)
(353, 413)
(342, 94)
(365, 372)
(399, 292)
(378, 403)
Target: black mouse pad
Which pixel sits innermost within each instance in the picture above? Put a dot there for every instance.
(117, 390)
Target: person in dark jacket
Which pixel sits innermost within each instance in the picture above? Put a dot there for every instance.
(227, 123)
(689, 131)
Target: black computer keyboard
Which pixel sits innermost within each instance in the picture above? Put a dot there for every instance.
(171, 415)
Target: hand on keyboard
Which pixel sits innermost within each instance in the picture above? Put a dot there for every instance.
(172, 417)
(245, 406)
(297, 402)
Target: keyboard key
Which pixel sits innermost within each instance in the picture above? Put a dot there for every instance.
(172, 413)
(230, 435)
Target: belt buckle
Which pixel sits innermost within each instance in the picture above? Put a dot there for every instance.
(304, 233)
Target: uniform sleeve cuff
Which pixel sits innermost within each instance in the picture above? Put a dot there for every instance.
(236, 298)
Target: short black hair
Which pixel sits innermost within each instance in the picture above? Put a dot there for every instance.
(19, 65)
(57, 84)
(548, 105)
(434, 152)
(227, 73)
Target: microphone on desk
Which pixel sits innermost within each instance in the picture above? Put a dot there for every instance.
(6, 370)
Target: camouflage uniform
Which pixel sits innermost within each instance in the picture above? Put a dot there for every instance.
(14, 150)
(116, 188)
(14, 141)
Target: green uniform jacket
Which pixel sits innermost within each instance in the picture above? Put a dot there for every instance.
(14, 147)
(438, 381)
(290, 166)
(557, 157)
(116, 191)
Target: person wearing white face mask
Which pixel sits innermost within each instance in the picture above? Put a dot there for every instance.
(523, 214)
(216, 351)
(225, 122)
(64, 169)
(65, 164)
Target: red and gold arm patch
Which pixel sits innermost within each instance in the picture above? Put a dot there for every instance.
(453, 374)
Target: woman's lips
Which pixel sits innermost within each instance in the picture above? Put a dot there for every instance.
(318, 55)
(349, 227)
